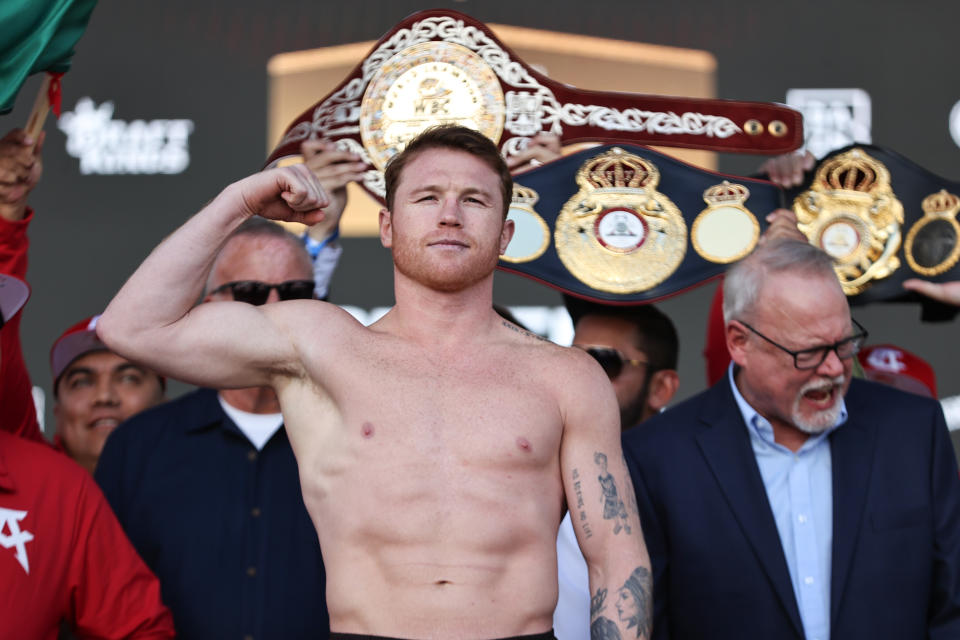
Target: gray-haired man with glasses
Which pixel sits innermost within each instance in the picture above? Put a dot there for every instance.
(789, 501)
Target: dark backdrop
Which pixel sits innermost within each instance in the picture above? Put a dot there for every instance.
(206, 61)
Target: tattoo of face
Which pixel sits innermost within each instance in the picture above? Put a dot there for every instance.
(634, 602)
(523, 332)
(578, 513)
(613, 507)
(601, 628)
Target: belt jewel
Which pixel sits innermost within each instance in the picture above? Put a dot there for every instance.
(726, 230)
(932, 245)
(531, 235)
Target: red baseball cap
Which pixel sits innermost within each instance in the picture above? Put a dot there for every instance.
(13, 293)
(78, 340)
(898, 368)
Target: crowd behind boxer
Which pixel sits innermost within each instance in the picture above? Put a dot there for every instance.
(203, 491)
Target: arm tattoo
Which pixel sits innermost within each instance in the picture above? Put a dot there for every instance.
(613, 507)
(601, 628)
(578, 513)
(631, 493)
(523, 332)
(633, 604)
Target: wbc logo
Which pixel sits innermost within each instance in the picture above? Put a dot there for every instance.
(11, 537)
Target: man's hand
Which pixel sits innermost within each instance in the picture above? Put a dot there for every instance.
(20, 170)
(333, 168)
(787, 170)
(948, 292)
(290, 194)
(783, 224)
(541, 148)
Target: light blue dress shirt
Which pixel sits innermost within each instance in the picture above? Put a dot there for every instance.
(799, 488)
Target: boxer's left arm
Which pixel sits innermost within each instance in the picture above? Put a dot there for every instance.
(603, 507)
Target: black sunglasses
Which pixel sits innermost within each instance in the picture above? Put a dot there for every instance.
(814, 356)
(256, 292)
(611, 360)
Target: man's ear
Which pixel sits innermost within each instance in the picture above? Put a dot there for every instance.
(663, 386)
(737, 337)
(386, 228)
(506, 235)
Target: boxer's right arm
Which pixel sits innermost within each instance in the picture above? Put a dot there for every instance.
(218, 344)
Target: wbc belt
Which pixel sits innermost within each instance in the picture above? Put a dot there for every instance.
(883, 219)
(625, 224)
(441, 66)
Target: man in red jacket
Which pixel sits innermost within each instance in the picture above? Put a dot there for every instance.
(63, 555)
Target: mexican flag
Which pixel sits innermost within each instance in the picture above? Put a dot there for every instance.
(35, 36)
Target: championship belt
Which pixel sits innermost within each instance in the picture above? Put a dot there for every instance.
(625, 224)
(441, 66)
(883, 219)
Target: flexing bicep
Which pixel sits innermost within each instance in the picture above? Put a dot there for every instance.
(216, 344)
(603, 511)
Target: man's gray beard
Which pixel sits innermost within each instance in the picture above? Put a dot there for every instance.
(822, 420)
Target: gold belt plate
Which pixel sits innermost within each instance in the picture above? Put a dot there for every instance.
(618, 234)
(424, 85)
(851, 212)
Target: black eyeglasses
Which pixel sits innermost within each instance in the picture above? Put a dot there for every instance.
(611, 360)
(814, 356)
(256, 292)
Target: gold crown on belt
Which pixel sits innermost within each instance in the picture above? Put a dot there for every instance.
(618, 170)
(726, 193)
(941, 202)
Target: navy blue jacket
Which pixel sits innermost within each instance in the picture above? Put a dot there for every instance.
(222, 525)
(719, 568)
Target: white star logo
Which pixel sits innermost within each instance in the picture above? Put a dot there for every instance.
(11, 537)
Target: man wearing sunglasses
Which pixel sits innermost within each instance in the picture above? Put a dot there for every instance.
(437, 448)
(789, 501)
(206, 486)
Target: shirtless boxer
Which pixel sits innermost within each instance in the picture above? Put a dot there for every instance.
(438, 447)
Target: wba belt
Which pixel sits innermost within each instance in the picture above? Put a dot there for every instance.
(626, 224)
(883, 219)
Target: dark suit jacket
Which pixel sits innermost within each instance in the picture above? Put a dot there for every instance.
(719, 569)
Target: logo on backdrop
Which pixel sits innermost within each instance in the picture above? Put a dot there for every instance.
(107, 146)
(11, 537)
(832, 118)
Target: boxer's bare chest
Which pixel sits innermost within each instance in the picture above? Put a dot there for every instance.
(411, 413)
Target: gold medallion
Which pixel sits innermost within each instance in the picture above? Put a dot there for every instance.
(618, 234)
(851, 212)
(427, 84)
(531, 234)
(933, 243)
(726, 230)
